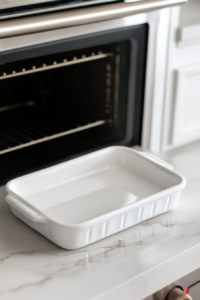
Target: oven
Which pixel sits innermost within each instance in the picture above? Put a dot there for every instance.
(71, 97)
(78, 80)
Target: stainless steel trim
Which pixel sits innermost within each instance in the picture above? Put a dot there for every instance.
(53, 9)
(55, 66)
(97, 123)
(79, 17)
(178, 294)
(174, 291)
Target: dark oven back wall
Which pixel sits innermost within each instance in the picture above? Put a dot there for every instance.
(70, 97)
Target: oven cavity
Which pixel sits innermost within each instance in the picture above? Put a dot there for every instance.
(65, 99)
(58, 95)
(63, 104)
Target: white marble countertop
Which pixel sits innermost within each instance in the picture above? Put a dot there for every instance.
(129, 265)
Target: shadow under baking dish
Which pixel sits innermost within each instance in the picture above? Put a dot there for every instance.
(90, 196)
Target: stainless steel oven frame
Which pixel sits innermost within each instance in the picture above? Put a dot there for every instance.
(31, 8)
(64, 19)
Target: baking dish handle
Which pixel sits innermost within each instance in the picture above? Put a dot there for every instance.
(29, 212)
(156, 159)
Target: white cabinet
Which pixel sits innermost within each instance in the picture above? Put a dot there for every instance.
(189, 23)
(186, 120)
(181, 111)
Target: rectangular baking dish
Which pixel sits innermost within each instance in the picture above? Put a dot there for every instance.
(81, 201)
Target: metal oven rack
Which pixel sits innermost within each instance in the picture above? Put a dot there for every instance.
(36, 125)
(9, 73)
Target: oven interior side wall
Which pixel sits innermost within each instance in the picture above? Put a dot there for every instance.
(74, 94)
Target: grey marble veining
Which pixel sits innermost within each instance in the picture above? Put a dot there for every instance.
(129, 265)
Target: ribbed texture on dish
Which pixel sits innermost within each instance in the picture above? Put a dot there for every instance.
(81, 238)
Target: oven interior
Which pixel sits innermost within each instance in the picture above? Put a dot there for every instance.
(55, 106)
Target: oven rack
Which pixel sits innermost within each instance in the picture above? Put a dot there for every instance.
(54, 65)
(32, 136)
(30, 123)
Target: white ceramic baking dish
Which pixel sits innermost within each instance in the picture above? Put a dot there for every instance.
(91, 197)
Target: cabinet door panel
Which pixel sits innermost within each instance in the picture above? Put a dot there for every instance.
(186, 125)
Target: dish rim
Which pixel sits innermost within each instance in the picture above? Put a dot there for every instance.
(104, 217)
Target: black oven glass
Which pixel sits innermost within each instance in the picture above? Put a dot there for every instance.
(55, 106)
